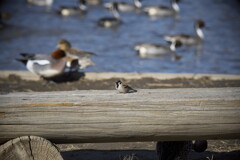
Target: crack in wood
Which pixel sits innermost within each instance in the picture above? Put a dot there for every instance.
(30, 146)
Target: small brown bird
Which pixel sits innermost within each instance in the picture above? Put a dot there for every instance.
(123, 88)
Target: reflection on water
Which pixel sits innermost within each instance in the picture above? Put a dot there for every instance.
(36, 29)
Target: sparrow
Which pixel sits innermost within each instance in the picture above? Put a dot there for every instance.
(123, 88)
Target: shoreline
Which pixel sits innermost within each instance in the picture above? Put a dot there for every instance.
(26, 75)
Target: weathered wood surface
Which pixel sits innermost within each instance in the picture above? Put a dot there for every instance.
(29, 148)
(107, 116)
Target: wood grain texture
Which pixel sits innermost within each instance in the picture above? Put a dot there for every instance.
(107, 116)
(29, 148)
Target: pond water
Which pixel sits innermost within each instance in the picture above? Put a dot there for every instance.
(34, 29)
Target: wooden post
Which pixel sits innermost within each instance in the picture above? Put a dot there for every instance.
(29, 148)
(107, 116)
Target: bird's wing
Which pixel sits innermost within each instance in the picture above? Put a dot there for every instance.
(81, 53)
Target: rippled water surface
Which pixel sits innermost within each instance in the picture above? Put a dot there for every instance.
(34, 29)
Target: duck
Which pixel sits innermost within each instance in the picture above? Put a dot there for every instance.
(83, 57)
(94, 2)
(189, 40)
(155, 11)
(157, 50)
(40, 2)
(72, 10)
(124, 6)
(111, 22)
(46, 66)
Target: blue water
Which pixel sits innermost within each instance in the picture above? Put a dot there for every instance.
(34, 29)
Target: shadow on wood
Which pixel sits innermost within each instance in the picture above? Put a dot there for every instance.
(67, 77)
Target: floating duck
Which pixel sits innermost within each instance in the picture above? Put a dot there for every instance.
(155, 49)
(164, 11)
(111, 22)
(72, 10)
(125, 6)
(189, 40)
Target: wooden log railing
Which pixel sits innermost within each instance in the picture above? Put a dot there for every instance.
(107, 116)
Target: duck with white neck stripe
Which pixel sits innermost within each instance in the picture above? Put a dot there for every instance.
(73, 10)
(157, 50)
(111, 22)
(189, 40)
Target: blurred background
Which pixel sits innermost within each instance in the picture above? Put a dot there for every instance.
(37, 29)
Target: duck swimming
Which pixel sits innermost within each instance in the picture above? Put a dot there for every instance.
(157, 50)
(163, 11)
(72, 10)
(111, 22)
(189, 40)
(94, 2)
(124, 6)
(40, 2)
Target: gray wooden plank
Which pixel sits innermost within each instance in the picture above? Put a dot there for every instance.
(107, 116)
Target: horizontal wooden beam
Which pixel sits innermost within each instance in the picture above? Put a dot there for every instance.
(108, 116)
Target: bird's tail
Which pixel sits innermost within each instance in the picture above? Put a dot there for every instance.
(27, 55)
(24, 61)
(132, 90)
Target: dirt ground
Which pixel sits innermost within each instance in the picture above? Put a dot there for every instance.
(70, 82)
(217, 149)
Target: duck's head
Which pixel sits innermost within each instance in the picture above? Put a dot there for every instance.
(58, 54)
(178, 43)
(64, 44)
(114, 6)
(200, 23)
(176, 1)
(82, 4)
